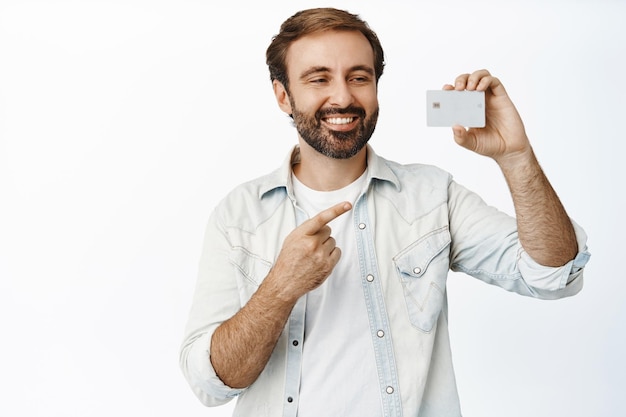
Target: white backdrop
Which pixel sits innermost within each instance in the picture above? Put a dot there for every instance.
(123, 122)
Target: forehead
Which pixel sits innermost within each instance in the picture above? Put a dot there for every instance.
(333, 49)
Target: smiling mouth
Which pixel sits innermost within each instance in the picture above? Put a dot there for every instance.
(339, 120)
(341, 124)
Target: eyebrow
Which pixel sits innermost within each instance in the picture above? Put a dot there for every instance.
(314, 70)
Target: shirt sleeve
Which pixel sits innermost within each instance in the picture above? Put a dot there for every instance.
(485, 245)
(215, 300)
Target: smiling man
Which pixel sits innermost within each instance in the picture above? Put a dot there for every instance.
(337, 106)
(322, 285)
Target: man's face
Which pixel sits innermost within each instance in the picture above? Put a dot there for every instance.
(332, 91)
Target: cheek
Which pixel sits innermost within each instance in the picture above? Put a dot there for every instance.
(306, 101)
(369, 101)
(313, 104)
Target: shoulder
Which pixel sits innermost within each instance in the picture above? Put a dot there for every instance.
(252, 202)
(412, 189)
(422, 171)
(416, 174)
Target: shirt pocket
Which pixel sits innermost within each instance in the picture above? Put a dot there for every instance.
(250, 271)
(423, 268)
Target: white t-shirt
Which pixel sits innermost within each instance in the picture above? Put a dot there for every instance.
(339, 376)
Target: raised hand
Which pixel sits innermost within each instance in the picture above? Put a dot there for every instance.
(503, 137)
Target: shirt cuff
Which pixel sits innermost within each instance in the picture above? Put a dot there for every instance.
(555, 278)
(204, 377)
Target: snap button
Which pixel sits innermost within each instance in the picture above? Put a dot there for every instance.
(370, 278)
(361, 226)
(380, 333)
(389, 390)
(417, 270)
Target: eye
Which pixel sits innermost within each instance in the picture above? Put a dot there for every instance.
(319, 80)
(360, 79)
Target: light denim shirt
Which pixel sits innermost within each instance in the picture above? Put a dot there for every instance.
(413, 225)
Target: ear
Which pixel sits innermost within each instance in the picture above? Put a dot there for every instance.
(282, 97)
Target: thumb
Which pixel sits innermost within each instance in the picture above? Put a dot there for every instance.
(464, 137)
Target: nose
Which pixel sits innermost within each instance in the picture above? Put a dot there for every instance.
(340, 94)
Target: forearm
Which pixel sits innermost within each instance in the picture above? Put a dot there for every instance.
(544, 228)
(242, 345)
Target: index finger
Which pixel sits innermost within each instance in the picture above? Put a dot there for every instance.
(314, 224)
(482, 80)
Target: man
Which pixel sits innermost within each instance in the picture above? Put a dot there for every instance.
(322, 285)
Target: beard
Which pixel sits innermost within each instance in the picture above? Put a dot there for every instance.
(334, 144)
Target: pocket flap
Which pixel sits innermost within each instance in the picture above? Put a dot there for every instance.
(414, 260)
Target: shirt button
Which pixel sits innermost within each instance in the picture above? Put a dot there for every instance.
(290, 400)
(295, 343)
(380, 333)
(389, 390)
(361, 226)
(417, 270)
(370, 278)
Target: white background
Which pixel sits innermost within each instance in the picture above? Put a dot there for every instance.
(123, 122)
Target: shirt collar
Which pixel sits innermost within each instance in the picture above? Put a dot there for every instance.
(378, 169)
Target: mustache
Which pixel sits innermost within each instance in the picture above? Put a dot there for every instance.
(359, 111)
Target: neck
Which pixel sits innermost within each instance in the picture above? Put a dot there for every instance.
(322, 173)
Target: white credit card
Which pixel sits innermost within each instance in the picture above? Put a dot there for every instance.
(451, 107)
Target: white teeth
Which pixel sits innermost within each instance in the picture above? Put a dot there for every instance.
(340, 120)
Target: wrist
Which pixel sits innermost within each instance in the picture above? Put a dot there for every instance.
(517, 161)
(279, 291)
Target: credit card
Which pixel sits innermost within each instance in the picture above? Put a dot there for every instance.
(446, 108)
